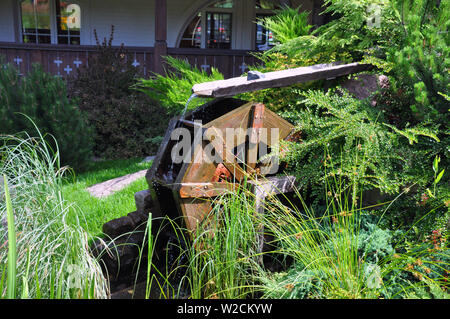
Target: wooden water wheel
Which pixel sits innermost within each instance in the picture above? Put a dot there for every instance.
(213, 166)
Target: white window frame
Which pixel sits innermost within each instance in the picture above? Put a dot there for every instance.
(53, 21)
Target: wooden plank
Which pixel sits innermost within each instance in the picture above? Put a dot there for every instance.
(273, 185)
(198, 190)
(255, 134)
(272, 120)
(227, 156)
(194, 211)
(237, 85)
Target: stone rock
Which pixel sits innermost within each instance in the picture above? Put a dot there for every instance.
(139, 218)
(118, 226)
(363, 86)
(255, 75)
(143, 200)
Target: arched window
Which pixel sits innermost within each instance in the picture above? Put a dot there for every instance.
(50, 21)
(230, 24)
(216, 21)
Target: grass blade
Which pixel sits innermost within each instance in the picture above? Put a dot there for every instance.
(2, 281)
(12, 254)
(25, 290)
(149, 255)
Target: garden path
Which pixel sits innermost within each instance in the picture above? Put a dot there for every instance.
(107, 188)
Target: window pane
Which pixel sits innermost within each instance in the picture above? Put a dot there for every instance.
(28, 18)
(192, 37)
(218, 33)
(264, 37)
(29, 38)
(222, 4)
(68, 18)
(35, 21)
(44, 39)
(43, 15)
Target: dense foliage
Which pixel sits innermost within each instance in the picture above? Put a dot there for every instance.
(396, 141)
(174, 88)
(43, 99)
(287, 23)
(125, 122)
(390, 140)
(52, 260)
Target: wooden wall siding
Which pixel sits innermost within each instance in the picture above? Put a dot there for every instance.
(62, 60)
(230, 63)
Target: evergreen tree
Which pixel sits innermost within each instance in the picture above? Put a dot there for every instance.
(43, 98)
(420, 59)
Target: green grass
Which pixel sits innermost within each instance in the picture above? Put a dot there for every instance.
(98, 172)
(99, 211)
(47, 257)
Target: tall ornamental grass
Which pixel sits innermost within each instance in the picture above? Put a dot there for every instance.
(52, 258)
(225, 249)
(344, 252)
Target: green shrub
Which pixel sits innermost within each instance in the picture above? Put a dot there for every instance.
(174, 89)
(124, 120)
(346, 253)
(420, 57)
(43, 98)
(372, 154)
(408, 41)
(287, 23)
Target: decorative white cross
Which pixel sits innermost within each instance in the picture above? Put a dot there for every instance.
(58, 62)
(243, 67)
(18, 60)
(135, 63)
(77, 62)
(205, 67)
(68, 69)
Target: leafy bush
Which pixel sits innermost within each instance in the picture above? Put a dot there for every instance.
(347, 254)
(123, 119)
(287, 23)
(390, 143)
(408, 40)
(420, 57)
(174, 89)
(373, 154)
(43, 98)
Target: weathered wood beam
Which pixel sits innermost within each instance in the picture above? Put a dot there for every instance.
(233, 86)
(199, 190)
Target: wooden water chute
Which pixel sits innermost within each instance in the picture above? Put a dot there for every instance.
(212, 167)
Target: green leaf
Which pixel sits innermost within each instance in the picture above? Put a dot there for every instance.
(438, 178)
(436, 161)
